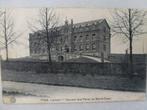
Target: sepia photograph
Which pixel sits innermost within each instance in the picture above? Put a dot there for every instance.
(66, 55)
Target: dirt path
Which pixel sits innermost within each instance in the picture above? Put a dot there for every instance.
(38, 93)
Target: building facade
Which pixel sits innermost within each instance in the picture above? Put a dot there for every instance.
(71, 40)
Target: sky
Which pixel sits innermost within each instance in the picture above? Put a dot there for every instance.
(74, 3)
(22, 15)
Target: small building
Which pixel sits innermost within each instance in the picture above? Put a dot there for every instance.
(91, 38)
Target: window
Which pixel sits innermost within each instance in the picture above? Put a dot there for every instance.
(104, 47)
(98, 30)
(52, 48)
(87, 46)
(86, 37)
(81, 38)
(66, 48)
(98, 46)
(75, 37)
(35, 51)
(86, 28)
(81, 47)
(32, 51)
(61, 40)
(104, 37)
(43, 50)
(58, 40)
(35, 44)
(93, 34)
(39, 51)
(74, 47)
(57, 48)
(93, 37)
(93, 46)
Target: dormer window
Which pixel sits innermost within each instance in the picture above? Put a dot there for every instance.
(75, 37)
(93, 34)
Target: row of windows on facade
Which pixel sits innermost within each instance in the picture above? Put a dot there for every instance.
(76, 48)
(37, 43)
(39, 51)
(88, 47)
(77, 38)
(87, 37)
(85, 47)
(81, 38)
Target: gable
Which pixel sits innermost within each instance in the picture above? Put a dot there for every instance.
(104, 22)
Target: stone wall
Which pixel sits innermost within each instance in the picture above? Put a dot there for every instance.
(74, 67)
(92, 75)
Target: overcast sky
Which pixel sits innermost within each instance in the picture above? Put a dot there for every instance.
(74, 3)
(22, 15)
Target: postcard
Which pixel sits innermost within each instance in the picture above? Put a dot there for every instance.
(72, 55)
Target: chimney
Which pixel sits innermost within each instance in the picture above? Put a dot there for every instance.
(66, 21)
(72, 22)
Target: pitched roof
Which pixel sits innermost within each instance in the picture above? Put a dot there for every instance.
(89, 22)
(82, 24)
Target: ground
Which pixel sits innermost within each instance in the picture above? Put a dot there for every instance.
(39, 93)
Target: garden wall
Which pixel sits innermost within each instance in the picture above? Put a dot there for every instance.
(92, 75)
(76, 68)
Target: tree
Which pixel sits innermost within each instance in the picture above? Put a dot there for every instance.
(47, 22)
(8, 35)
(129, 23)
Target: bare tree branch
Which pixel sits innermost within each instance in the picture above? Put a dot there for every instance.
(8, 34)
(45, 24)
(129, 23)
(120, 25)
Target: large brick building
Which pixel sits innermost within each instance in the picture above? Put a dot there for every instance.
(71, 40)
